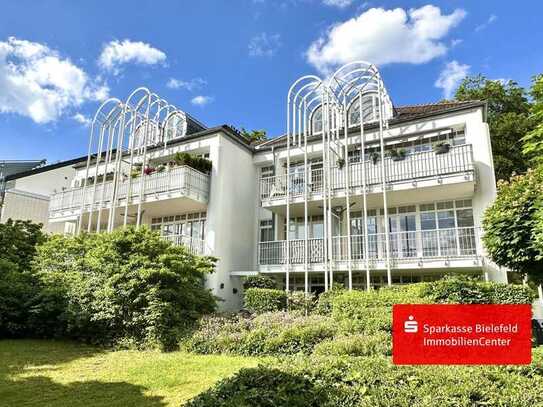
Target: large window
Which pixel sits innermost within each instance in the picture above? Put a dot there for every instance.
(190, 224)
(266, 230)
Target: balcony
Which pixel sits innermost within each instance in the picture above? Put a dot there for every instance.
(178, 182)
(412, 170)
(193, 245)
(406, 249)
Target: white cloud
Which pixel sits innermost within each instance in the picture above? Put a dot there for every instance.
(116, 53)
(82, 119)
(38, 83)
(201, 100)
(492, 18)
(264, 45)
(384, 36)
(450, 77)
(338, 3)
(190, 85)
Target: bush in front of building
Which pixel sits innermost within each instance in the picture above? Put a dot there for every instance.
(121, 288)
(276, 334)
(260, 300)
(18, 287)
(375, 381)
(465, 290)
(259, 281)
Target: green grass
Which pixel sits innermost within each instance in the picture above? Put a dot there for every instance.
(48, 373)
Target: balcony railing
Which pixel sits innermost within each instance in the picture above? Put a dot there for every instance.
(194, 245)
(414, 166)
(184, 179)
(439, 243)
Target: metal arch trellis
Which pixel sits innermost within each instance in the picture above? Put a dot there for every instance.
(120, 135)
(335, 97)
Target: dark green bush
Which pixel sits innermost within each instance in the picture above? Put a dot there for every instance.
(375, 381)
(464, 290)
(262, 387)
(18, 240)
(18, 287)
(259, 281)
(124, 287)
(260, 300)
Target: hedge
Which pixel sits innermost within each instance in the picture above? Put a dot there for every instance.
(375, 381)
(463, 290)
(260, 300)
(259, 281)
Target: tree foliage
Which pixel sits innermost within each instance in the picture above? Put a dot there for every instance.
(533, 141)
(126, 286)
(512, 224)
(254, 135)
(18, 240)
(508, 118)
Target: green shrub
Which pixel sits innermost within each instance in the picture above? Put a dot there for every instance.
(375, 381)
(465, 290)
(356, 345)
(128, 286)
(198, 163)
(278, 333)
(324, 302)
(259, 281)
(19, 289)
(299, 301)
(260, 300)
(262, 387)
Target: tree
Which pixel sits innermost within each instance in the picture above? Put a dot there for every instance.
(254, 135)
(512, 224)
(508, 119)
(18, 240)
(128, 286)
(533, 141)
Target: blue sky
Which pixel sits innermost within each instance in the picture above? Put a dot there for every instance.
(233, 61)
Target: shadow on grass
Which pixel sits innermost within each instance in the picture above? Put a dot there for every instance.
(21, 356)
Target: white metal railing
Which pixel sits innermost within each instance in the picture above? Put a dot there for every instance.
(438, 243)
(414, 166)
(184, 179)
(194, 245)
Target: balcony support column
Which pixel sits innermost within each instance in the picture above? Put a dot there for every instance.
(384, 183)
(347, 167)
(364, 194)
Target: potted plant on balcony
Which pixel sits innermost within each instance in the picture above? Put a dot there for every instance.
(397, 154)
(375, 157)
(441, 147)
(149, 170)
(161, 168)
(340, 163)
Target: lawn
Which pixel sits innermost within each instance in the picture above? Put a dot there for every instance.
(48, 373)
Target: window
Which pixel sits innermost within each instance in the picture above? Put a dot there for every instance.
(267, 171)
(316, 120)
(370, 110)
(192, 225)
(175, 126)
(266, 230)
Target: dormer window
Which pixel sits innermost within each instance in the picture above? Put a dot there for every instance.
(316, 121)
(175, 126)
(370, 110)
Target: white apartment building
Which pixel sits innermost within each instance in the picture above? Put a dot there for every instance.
(357, 192)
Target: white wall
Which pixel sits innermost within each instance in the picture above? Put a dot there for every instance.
(27, 198)
(231, 217)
